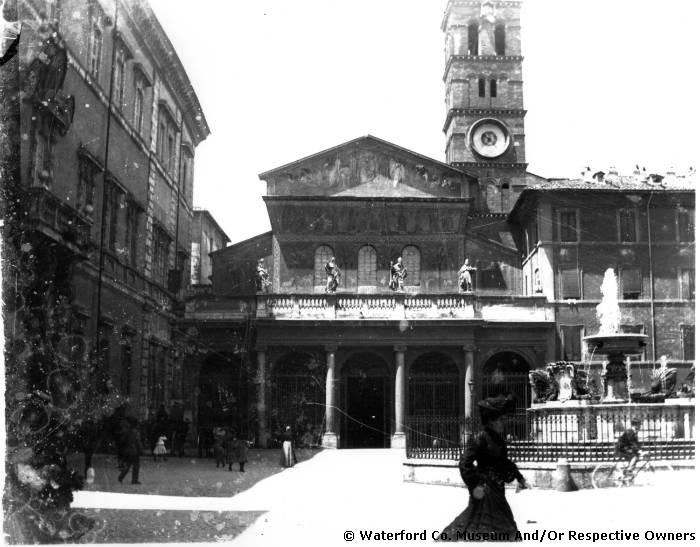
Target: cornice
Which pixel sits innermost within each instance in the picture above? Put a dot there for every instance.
(480, 58)
(452, 112)
(490, 164)
(361, 239)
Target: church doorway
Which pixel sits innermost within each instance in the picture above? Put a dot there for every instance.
(506, 373)
(223, 394)
(365, 389)
(298, 397)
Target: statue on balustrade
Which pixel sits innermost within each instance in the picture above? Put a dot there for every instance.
(332, 276)
(465, 277)
(262, 278)
(398, 275)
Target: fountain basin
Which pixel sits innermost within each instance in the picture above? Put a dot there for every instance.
(624, 343)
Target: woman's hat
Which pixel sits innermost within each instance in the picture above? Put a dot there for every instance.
(498, 406)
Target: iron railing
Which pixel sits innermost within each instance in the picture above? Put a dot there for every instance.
(667, 434)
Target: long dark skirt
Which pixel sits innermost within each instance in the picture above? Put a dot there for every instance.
(487, 519)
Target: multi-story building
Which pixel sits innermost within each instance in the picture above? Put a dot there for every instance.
(349, 368)
(207, 237)
(109, 123)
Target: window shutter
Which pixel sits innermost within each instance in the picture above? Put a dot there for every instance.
(631, 281)
(570, 286)
(571, 343)
(688, 335)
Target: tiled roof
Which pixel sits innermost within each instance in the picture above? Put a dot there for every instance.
(620, 183)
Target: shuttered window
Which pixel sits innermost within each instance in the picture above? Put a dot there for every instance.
(686, 225)
(688, 284)
(570, 283)
(568, 226)
(628, 225)
(688, 341)
(631, 283)
(571, 342)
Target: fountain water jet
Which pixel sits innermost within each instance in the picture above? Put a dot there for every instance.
(617, 346)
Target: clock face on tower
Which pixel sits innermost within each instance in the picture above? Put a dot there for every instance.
(489, 138)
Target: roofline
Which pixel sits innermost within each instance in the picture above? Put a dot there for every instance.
(530, 191)
(263, 176)
(173, 71)
(211, 217)
(268, 233)
(368, 198)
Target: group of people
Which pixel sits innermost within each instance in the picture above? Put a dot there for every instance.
(229, 449)
(398, 272)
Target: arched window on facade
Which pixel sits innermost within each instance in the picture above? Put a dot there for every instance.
(367, 266)
(494, 88)
(411, 259)
(473, 39)
(500, 39)
(482, 87)
(323, 254)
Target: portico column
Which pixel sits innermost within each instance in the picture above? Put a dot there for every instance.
(399, 438)
(330, 437)
(263, 433)
(468, 380)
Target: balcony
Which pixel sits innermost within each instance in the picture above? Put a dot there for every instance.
(399, 307)
(57, 220)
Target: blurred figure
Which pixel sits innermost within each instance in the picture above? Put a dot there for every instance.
(159, 450)
(131, 451)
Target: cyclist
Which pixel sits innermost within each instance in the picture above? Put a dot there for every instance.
(628, 446)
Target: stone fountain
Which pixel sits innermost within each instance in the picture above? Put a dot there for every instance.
(612, 343)
(566, 417)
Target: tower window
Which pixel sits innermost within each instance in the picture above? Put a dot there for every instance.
(482, 87)
(500, 39)
(494, 88)
(473, 39)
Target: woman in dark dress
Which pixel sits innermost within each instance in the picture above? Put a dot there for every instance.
(485, 468)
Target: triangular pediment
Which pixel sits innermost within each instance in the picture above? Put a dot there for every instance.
(367, 167)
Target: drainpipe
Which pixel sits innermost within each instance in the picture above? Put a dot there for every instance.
(651, 286)
(105, 173)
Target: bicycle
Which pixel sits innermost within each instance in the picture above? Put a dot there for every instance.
(645, 473)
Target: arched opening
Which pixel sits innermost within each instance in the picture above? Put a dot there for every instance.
(365, 391)
(500, 39)
(322, 255)
(493, 84)
(473, 39)
(298, 397)
(506, 373)
(433, 386)
(367, 267)
(482, 87)
(222, 398)
(411, 259)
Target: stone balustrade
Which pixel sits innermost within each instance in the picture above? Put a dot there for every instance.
(402, 306)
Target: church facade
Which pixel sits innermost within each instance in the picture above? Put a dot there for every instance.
(351, 366)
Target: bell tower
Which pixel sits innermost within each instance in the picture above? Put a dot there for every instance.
(484, 126)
